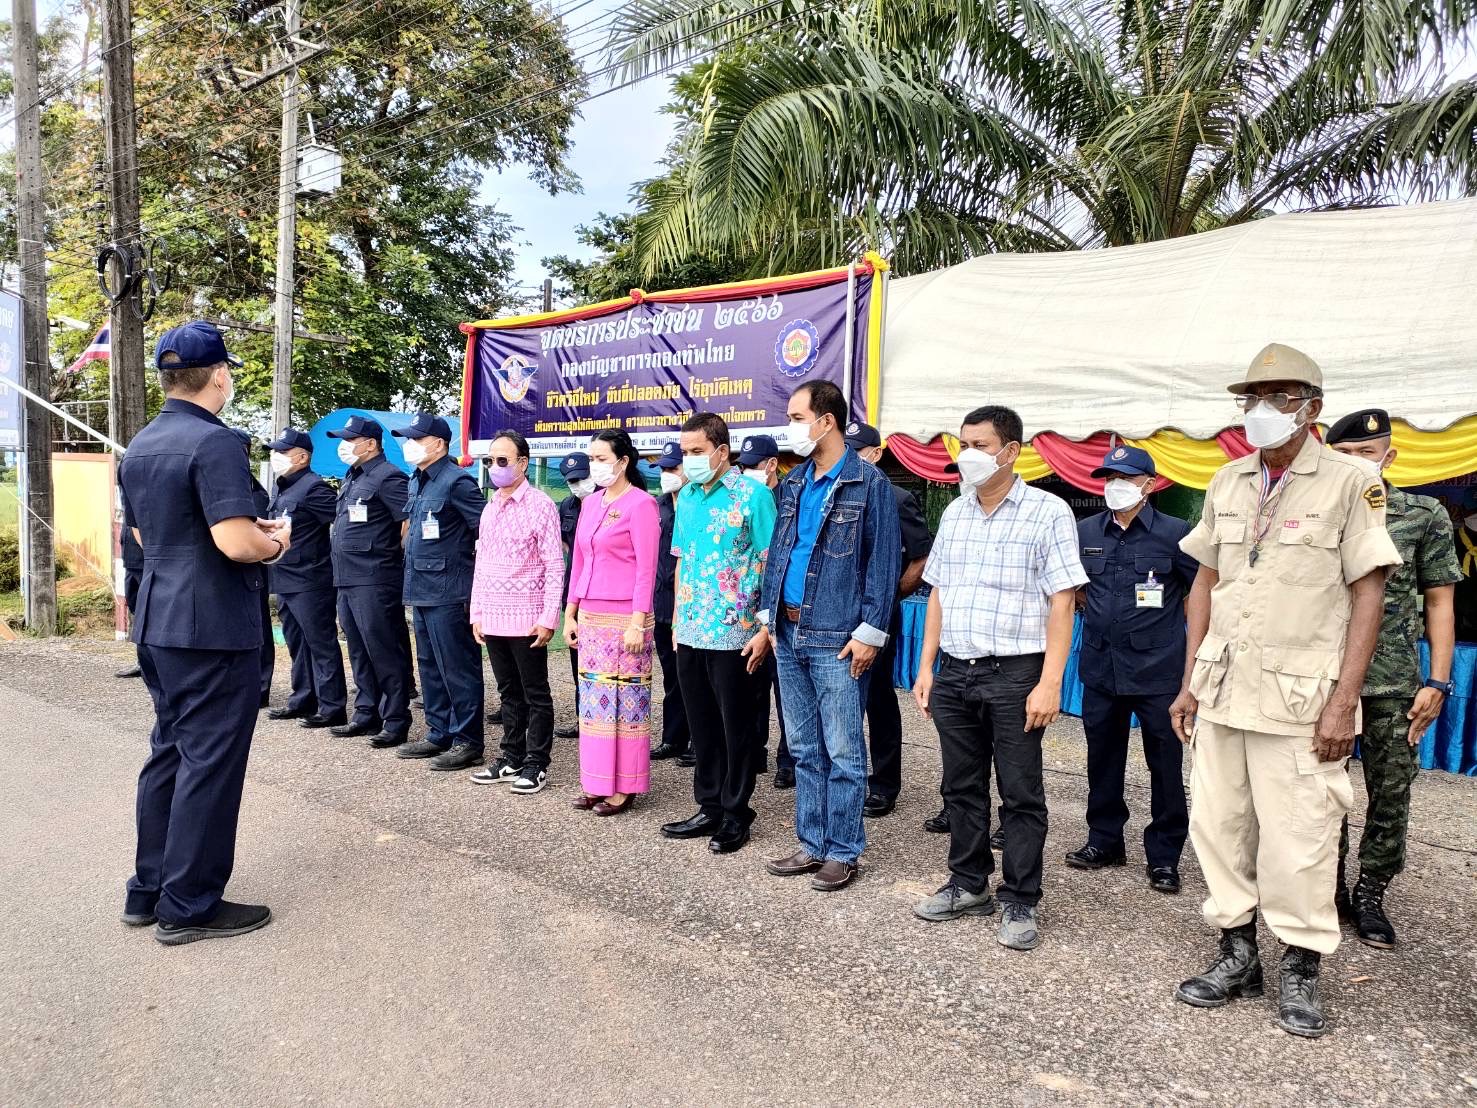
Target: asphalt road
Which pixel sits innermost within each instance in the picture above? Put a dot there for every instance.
(437, 942)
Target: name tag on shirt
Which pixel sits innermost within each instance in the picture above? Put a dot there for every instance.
(1149, 594)
(430, 528)
(358, 512)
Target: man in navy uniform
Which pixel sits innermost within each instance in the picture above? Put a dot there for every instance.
(268, 651)
(884, 718)
(187, 496)
(759, 458)
(303, 582)
(575, 469)
(676, 739)
(369, 573)
(445, 513)
(1133, 656)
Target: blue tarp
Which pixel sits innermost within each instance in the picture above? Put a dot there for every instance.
(325, 449)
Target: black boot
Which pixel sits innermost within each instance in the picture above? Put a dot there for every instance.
(1369, 913)
(1298, 1012)
(1341, 898)
(1237, 972)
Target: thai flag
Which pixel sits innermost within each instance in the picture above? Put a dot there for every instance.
(102, 347)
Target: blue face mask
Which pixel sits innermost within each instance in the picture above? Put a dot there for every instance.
(698, 467)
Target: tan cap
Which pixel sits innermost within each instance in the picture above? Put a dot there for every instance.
(1280, 363)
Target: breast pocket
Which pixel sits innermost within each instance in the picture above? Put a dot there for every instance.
(841, 531)
(1230, 542)
(1094, 564)
(1308, 554)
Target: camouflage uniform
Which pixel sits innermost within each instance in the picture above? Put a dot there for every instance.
(1421, 531)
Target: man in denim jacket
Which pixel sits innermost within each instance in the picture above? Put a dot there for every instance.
(827, 600)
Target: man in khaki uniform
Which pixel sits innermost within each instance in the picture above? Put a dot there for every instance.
(1283, 617)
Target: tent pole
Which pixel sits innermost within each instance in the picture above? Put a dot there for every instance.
(847, 371)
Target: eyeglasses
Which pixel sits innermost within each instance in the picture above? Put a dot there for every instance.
(1279, 400)
(501, 462)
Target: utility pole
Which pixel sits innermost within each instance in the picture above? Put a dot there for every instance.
(548, 294)
(40, 565)
(127, 393)
(286, 228)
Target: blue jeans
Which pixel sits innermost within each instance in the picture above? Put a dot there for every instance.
(823, 723)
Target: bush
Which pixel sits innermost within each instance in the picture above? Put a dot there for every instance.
(10, 561)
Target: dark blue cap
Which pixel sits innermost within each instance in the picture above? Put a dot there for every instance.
(196, 343)
(1129, 461)
(291, 439)
(757, 448)
(670, 457)
(861, 436)
(575, 467)
(244, 435)
(425, 425)
(359, 428)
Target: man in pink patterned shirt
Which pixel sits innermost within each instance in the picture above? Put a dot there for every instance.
(516, 591)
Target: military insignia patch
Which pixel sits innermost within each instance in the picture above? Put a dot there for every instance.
(1371, 423)
(1375, 496)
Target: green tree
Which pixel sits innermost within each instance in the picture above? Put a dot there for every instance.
(933, 130)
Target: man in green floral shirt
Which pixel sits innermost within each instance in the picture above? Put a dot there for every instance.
(720, 539)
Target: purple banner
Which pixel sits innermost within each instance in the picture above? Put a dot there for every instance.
(644, 369)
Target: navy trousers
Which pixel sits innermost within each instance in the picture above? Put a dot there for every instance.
(311, 632)
(885, 721)
(189, 793)
(268, 652)
(373, 620)
(1105, 720)
(451, 674)
(675, 732)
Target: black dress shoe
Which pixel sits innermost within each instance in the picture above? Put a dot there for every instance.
(495, 716)
(732, 835)
(1095, 857)
(939, 824)
(229, 919)
(338, 719)
(694, 827)
(784, 778)
(687, 759)
(287, 713)
(417, 702)
(1164, 879)
(877, 805)
(997, 840)
(138, 919)
(355, 729)
(384, 740)
(130, 671)
(662, 751)
(461, 756)
(568, 731)
(421, 749)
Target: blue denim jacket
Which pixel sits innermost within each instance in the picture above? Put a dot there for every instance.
(852, 580)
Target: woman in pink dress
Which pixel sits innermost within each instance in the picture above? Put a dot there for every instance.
(611, 576)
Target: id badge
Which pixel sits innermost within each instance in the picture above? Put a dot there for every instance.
(358, 512)
(1149, 594)
(430, 528)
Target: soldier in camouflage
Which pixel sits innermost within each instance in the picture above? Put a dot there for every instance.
(1397, 706)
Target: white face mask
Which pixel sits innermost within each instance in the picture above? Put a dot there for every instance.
(1375, 467)
(759, 474)
(230, 393)
(1121, 494)
(976, 467)
(347, 454)
(582, 488)
(280, 462)
(603, 474)
(414, 452)
(671, 480)
(800, 441)
(1266, 428)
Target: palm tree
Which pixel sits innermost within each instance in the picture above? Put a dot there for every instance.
(934, 130)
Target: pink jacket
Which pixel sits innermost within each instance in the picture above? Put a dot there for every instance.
(613, 567)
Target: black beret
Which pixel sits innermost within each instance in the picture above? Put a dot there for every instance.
(1371, 423)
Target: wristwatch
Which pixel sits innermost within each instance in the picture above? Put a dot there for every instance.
(1443, 687)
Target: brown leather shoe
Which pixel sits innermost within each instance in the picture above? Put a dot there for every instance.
(832, 876)
(793, 865)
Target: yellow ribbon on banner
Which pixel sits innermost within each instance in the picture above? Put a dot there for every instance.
(1425, 457)
(1185, 461)
(1030, 466)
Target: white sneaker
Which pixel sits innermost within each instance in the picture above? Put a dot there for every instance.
(529, 780)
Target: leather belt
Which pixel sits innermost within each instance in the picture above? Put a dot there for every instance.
(791, 612)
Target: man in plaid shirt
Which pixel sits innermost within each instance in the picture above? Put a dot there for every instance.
(1004, 570)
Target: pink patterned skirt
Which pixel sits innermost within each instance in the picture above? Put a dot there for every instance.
(615, 706)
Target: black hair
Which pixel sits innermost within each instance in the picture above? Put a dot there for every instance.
(711, 425)
(825, 399)
(1006, 424)
(519, 442)
(621, 447)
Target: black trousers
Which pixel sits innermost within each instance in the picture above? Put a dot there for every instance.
(522, 675)
(719, 693)
(980, 709)
(311, 632)
(373, 620)
(1105, 718)
(885, 721)
(675, 732)
(189, 793)
(766, 681)
(268, 653)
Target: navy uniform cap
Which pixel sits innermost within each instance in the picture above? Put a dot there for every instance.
(1126, 461)
(756, 449)
(862, 436)
(291, 439)
(1371, 423)
(358, 427)
(196, 343)
(670, 457)
(575, 466)
(425, 425)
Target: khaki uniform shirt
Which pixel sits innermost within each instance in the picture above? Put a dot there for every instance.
(1277, 628)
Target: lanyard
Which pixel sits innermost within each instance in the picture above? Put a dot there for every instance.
(1469, 559)
(1268, 497)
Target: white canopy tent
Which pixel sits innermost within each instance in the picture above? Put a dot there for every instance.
(1135, 339)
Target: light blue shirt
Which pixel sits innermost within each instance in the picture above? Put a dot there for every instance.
(814, 497)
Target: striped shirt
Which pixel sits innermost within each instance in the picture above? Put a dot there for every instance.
(519, 576)
(996, 573)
